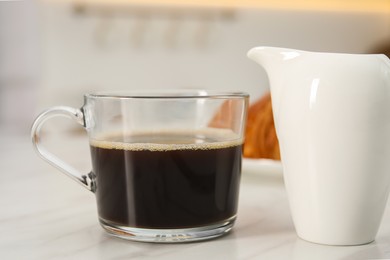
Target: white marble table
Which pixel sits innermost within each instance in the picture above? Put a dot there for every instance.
(45, 215)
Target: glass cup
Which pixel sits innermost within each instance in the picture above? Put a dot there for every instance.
(166, 166)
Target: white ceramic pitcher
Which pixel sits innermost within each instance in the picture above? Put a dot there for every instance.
(332, 117)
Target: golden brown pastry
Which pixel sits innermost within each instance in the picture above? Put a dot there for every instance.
(224, 116)
(260, 135)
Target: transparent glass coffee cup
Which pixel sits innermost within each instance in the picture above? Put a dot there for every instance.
(166, 166)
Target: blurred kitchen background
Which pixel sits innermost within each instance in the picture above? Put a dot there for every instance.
(51, 52)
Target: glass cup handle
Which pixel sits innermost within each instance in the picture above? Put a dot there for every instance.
(86, 180)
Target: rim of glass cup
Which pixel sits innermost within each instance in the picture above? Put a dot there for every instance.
(170, 93)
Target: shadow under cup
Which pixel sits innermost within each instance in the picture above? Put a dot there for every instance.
(166, 166)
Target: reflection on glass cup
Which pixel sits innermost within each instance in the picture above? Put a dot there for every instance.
(166, 165)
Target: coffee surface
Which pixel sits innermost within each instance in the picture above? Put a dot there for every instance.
(167, 179)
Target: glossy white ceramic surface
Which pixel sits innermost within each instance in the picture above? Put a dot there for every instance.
(332, 116)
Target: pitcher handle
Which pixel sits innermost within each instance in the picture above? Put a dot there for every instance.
(86, 180)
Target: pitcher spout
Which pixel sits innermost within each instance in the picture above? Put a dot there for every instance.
(275, 61)
(270, 57)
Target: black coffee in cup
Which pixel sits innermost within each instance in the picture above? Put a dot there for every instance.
(165, 180)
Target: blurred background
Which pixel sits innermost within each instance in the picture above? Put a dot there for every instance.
(53, 51)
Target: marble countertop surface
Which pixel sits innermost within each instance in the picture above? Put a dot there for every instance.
(45, 215)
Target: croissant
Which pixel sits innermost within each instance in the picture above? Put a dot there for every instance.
(260, 135)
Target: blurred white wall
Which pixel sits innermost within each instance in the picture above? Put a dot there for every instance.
(20, 62)
(86, 49)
